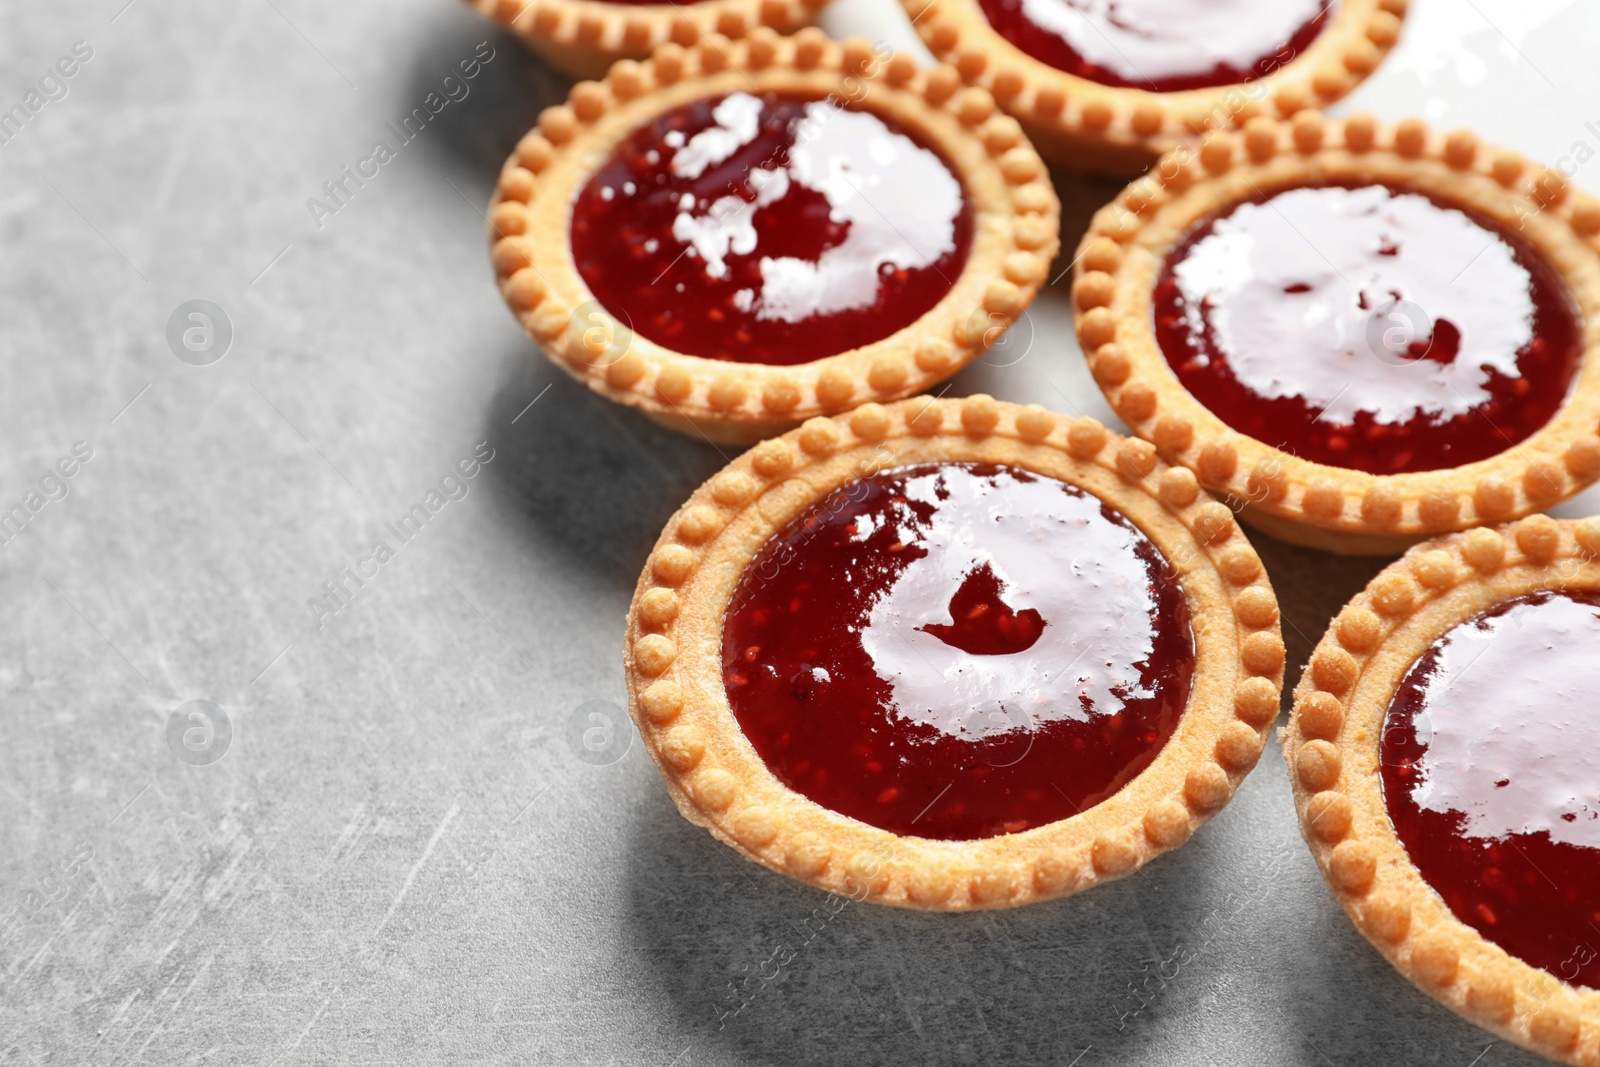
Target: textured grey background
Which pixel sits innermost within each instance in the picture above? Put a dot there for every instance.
(400, 858)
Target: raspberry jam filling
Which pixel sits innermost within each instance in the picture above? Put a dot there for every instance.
(770, 229)
(1491, 774)
(1368, 327)
(958, 651)
(1160, 45)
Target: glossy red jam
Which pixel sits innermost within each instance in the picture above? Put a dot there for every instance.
(1491, 772)
(1368, 327)
(958, 651)
(770, 229)
(1160, 45)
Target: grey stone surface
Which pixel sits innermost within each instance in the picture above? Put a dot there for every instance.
(400, 857)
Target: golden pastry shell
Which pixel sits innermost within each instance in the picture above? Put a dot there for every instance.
(1083, 125)
(584, 37)
(1342, 510)
(673, 659)
(1015, 234)
(1331, 746)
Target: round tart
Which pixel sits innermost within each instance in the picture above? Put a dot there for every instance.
(1445, 754)
(722, 237)
(953, 654)
(1109, 85)
(584, 37)
(1360, 335)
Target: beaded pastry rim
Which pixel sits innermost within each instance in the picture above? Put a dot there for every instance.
(584, 37)
(677, 696)
(1331, 747)
(1084, 124)
(1015, 234)
(1121, 255)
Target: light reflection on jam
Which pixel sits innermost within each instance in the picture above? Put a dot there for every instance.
(1160, 45)
(1368, 327)
(1491, 774)
(770, 229)
(958, 651)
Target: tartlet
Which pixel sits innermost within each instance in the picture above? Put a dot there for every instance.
(1180, 278)
(1459, 825)
(1119, 124)
(584, 37)
(795, 555)
(985, 230)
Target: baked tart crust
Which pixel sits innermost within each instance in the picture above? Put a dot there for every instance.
(1015, 233)
(1332, 748)
(1335, 508)
(1084, 125)
(584, 37)
(677, 695)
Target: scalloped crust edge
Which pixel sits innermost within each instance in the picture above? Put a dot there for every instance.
(1294, 500)
(1084, 125)
(672, 660)
(584, 37)
(1330, 748)
(1016, 235)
